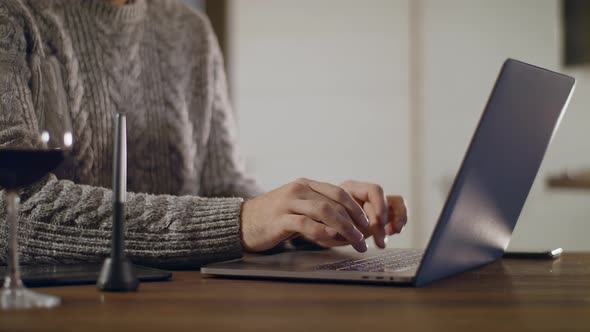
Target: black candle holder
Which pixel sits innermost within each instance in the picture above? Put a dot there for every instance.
(117, 273)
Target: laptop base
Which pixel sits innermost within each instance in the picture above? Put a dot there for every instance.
(301, 265)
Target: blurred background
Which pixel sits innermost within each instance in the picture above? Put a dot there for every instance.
(390, 91)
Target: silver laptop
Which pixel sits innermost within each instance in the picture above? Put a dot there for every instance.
(481, 210)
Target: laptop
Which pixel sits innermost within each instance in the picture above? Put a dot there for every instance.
(482, 207)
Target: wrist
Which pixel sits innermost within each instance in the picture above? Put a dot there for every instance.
(244, 217)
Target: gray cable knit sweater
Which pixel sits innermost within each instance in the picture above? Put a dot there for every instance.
(158, 61)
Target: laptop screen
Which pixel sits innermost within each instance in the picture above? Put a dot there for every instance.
(493, 182)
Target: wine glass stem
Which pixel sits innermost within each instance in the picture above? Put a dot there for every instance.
(12, 279)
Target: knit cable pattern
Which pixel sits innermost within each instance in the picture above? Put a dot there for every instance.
(158, 62)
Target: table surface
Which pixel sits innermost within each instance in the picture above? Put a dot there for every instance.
(508, 295)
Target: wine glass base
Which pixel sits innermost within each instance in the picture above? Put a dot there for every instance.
(23, 298)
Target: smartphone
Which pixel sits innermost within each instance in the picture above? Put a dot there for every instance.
(533, 253)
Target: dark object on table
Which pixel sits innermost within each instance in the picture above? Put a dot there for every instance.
(117, 274)
(63, 275)
(533, 253)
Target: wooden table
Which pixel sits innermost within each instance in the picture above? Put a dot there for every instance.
(509, 295)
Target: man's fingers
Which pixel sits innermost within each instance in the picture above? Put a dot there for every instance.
(332, 215)
(377, 229)
(372, 193)
(342, 197)
(315, 231)
(397, 214)
(390, 229)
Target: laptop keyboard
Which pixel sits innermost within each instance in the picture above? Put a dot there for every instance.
(389, 261)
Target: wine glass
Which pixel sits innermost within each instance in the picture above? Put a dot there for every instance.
(20, 167)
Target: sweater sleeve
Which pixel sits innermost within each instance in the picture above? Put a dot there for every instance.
(224, 172)
(61, 221)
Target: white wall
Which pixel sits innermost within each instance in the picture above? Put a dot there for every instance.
(322, 90)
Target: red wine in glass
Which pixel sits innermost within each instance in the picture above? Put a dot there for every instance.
(21, 168)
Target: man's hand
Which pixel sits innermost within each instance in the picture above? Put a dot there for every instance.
(387, 214)
(323, 213)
